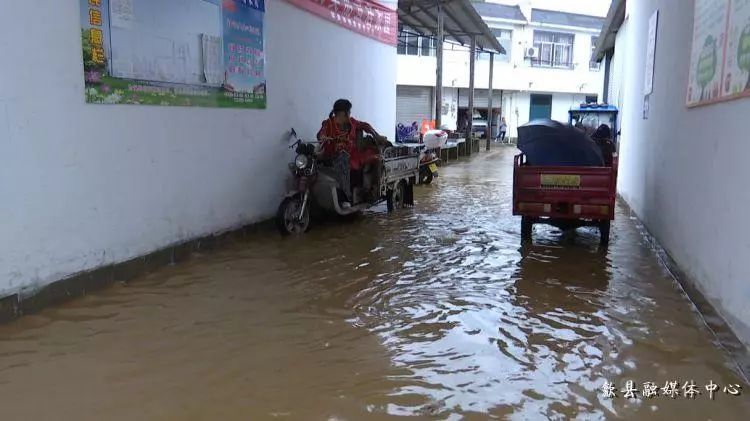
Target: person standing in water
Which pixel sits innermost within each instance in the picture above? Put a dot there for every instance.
(502, 128)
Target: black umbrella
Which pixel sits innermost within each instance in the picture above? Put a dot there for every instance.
(551, 143)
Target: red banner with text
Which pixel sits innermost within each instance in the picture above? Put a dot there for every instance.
(366, 17)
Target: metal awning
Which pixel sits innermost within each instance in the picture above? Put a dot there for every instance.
(615, 17)
(461, 22)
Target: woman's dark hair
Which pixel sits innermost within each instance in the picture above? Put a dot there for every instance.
(602, 132)
(341, 105)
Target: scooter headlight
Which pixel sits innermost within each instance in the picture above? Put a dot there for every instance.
(301, 161)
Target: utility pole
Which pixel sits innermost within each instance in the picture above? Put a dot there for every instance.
(439, 72)
(489, 102)
(472, 59)
(502, 114)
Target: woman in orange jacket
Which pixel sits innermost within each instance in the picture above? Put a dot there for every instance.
(339, 133)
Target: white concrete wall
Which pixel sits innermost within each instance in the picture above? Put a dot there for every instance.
(518, 107)
(684, 171)
(562, 103)
(449, 116)
(87, 185)
(616, 79)
(418, 71)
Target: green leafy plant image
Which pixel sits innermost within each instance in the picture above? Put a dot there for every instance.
(707, 62)
(743, 53)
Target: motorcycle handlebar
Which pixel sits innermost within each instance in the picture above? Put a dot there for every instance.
(322, 140)
(293, 133)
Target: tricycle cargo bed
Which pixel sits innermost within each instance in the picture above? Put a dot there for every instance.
(399, 151)
(564, 192)
(402, 167)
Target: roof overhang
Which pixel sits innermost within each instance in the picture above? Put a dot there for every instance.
(552, 26)
(505, 21)
(612, 23)
(460, 22)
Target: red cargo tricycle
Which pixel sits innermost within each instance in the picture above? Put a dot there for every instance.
(565, 197)
(569, 197)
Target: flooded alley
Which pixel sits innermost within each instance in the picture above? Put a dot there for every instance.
(435, 312)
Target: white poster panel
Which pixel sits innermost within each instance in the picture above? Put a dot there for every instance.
(648, 84)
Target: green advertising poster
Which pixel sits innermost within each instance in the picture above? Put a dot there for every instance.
(205, 53)
(737, 69)
(707, 58)
(720, 60)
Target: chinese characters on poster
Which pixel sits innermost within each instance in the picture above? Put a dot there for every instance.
(365, 17)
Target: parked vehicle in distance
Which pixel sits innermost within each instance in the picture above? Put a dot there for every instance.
(428, 169)
(591, 116)
(479, 126)
(429, 157)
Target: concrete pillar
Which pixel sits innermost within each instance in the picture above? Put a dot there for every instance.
(472, 63)
(439, 72)
(502, 114)
(489, 102)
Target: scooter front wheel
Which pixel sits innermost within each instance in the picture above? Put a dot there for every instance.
(288, 218)
(425, 177)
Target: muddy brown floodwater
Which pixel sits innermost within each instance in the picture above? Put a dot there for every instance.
(434, 312)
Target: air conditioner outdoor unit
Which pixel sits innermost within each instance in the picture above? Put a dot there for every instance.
(531, 52)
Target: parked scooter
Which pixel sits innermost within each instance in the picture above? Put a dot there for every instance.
(428, 168)
(390, 179)
(433, 140)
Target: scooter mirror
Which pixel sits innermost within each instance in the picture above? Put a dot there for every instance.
(294, 133)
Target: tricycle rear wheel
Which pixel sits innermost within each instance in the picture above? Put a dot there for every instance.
(604, 227)
(395, 197)
(408, 193)
(527, 226)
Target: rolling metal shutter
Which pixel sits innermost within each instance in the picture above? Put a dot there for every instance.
(413, 103)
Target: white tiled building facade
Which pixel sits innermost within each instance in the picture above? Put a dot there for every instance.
(547, 68)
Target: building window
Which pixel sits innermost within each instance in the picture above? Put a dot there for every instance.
(593, 64)
(428, 46)
(504, 38)
(553, 50)
(402, 36)
(412, 44)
